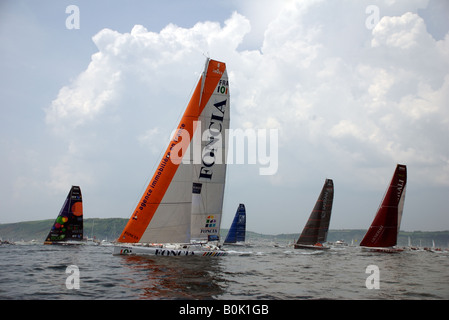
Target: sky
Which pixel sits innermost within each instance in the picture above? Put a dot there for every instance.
(352, 88)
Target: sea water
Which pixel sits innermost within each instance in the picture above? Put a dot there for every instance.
(268, 272)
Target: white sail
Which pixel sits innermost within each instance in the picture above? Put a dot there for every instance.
(171, 222)
(209, 172)
(184, 199)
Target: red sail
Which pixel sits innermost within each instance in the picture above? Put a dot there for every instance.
(385, 227)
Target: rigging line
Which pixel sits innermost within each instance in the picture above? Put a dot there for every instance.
(159, 157)
(171, 203)
(187, 99)
(185, 104)
(145, 184)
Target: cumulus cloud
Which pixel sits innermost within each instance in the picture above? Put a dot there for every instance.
(141, 58)
(344, 97)
(86, 97)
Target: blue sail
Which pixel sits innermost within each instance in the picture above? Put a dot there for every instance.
(238, 227)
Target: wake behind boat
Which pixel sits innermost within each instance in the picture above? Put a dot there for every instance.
(315, 231)
(383, 232)
(68, 226)
(180, 212)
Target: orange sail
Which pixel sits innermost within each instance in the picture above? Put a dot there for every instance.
(163, 214)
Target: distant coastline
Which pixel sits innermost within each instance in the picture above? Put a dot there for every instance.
(110, 228)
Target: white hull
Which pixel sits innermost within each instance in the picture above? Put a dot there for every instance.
(382, 249)
(200, 250)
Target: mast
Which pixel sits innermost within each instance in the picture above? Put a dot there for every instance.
(384, 229)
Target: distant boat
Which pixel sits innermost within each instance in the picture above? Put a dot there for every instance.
(340, 243)
(314, 234)
(383, 233)
(68, 226)
(236, 234)
(180, 212)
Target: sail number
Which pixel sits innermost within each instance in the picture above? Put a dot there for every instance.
(222, 90)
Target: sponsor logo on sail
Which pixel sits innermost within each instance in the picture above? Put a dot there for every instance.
(213, 135)
(210, 227)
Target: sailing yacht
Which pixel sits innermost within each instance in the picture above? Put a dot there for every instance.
(179, 213)
(383, 232)
(237, 232)
(68, 226)
(314, 234)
